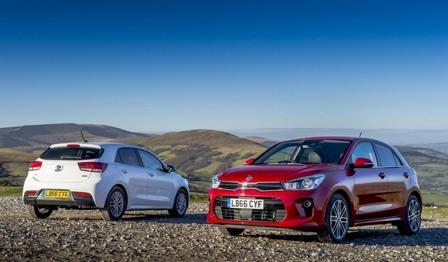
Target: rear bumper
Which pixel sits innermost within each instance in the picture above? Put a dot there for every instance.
(73, 201)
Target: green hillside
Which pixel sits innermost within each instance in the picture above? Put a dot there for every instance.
(200, 154)
(432, 171)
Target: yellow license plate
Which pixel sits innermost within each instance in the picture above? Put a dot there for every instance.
(57, 194)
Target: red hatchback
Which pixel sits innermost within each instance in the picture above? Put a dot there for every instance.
(322, 184)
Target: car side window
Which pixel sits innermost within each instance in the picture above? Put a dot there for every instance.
(127, 156)
(386, 157)
(150, 161)
(364, 150)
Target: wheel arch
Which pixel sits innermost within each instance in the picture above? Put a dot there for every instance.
(347, 198)
(187, 192)
(126, 194)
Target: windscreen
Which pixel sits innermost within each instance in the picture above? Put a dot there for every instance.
(67, 153)
(305, 152)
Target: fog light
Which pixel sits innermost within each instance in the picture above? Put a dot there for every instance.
(307, 204)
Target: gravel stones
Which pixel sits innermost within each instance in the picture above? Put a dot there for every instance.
(81, 235)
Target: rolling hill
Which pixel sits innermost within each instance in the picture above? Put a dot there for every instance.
(196, 154)
(200, 154)
(45, 135)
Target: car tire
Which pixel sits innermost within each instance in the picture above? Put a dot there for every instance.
(230, 231)
(37, 212)
(180, 204)
(115, 205)
(337, 220)
(412, 218)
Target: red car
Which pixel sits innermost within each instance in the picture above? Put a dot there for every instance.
(321, 184)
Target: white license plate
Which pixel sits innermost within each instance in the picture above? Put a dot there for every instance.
(245, 203)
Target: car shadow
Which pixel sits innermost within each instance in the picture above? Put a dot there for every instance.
(364, 236)
(165, 218)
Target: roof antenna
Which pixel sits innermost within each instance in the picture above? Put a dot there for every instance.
(82, 135)
(360, 134)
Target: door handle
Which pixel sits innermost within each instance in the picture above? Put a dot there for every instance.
(124, 171)
(382, 175)
(151, 174)
(405, 174)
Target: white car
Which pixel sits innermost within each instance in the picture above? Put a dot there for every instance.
(111, 177)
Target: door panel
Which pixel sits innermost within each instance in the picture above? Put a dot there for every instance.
(137, 182)
(160, 185)
(371, 192)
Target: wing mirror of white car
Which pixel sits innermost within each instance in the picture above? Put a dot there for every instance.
(170, 168)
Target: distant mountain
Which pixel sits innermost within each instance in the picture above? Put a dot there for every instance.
(442, 147)
(267, 142)
(412, 137)
(196, 154)
(200, 154)
(45, 135)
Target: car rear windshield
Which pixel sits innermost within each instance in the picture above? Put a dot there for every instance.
(66, 153)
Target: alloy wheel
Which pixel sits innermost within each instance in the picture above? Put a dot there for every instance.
(116, 204)
(339, 219)
(414, 215)
(181, 203)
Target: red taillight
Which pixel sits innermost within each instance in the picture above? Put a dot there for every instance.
(73, 145)
(35, 165)
(31, 193)
(82, 194)
(92, 166)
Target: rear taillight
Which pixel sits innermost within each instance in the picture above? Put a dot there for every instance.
(30, 193)
(35, 165)
(81, 194)
(92, 166)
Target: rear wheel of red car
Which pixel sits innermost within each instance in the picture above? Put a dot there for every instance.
(230, 231)
(115, 205)
(413, 217)
(37, 212)
(337, 220)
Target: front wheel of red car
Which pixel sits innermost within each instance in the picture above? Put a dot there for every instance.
(337, 220)
(413, 217)
(230, 231)
(37, 212)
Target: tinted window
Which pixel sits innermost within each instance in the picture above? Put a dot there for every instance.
(150, 161)
(364, 150)
(386, 156)
(306, 152)
(127, 156)
(71, 153)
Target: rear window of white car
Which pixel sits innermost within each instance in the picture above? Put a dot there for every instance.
(67, 153)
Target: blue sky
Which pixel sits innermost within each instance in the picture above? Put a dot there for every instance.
(151, 66)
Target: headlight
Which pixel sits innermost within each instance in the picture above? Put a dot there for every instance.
(215, 181)
(305, 183)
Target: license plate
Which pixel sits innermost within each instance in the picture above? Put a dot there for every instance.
(245, 203)
(56, 194)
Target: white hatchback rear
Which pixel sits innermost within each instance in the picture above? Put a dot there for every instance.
(111, 177)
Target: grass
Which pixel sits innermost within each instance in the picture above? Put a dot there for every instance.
(435, 213)
(10, 191)
(198, 197)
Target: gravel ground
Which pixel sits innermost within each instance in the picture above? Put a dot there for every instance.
(152, 236)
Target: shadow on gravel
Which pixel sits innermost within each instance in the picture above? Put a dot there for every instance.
(165, 218)
(357, 237)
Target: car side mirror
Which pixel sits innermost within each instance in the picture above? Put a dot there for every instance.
(170, 168)
(362, 162)
(249, 161)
